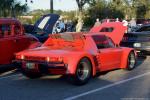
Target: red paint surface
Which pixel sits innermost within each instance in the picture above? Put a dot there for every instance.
(81, 46)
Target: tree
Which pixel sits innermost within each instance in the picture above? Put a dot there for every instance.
(81, 4)
(134, 8)
(12, 8)
(102, 10)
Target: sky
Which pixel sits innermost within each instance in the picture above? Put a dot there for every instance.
(64, 5)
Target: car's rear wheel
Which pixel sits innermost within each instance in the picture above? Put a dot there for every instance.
(131, 61)
(83, 73)
(31, 75)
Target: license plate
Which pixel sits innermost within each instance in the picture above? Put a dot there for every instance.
(30, 65)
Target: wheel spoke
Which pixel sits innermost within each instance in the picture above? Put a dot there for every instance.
(131, 60)
(83, 71)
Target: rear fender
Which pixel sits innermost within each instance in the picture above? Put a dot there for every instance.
(125, 55)
(73, 62)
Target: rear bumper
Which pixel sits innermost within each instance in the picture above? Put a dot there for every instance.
(146, 48)
(44, 68)
(57, 69)
(143, 51)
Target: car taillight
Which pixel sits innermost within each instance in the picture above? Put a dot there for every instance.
(54, 59)
(48, 59)
(20, 57)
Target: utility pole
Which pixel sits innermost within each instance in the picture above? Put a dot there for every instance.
(51, 6)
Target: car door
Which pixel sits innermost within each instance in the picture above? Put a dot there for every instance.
(6, 44)
(108, 55)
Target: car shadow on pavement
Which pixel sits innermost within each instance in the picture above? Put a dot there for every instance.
(55, 87)
(137, 89)
(140, 60)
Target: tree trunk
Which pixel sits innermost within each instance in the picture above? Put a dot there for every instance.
(51, 6)
(80, 22)
(80, 15)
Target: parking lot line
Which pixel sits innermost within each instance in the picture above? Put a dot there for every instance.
(5, 77)
(107, 86)
(8, 72)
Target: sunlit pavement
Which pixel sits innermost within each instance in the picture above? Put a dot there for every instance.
(115, 85)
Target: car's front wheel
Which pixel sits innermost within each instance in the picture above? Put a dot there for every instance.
(131, 61)
(83, 73)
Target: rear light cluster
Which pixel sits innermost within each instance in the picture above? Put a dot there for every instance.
(47, 59)
(54, 59)
(20, 57)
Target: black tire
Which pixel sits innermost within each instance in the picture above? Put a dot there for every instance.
(131, 61)
(31, 75)
(83, 73)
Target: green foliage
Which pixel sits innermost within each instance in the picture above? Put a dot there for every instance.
(116, 9)
(12, 8)
(102, 10)
(67, 15)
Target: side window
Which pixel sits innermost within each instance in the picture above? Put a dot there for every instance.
(5, 30)
(101, 41)
(1, 33)
(107, 29)
(17, 29)
(111, 43)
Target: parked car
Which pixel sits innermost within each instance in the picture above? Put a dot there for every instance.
(140, 21)
(140, 40)
(42, 27)
(13, 40)
(79, 56)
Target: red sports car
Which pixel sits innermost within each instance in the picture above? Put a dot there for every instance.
(13, 40)
(79, 55)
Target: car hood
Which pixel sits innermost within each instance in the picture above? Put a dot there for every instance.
(46, 23)
(114, 30)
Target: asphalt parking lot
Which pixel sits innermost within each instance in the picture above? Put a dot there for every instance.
(114, 85)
